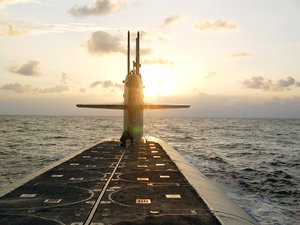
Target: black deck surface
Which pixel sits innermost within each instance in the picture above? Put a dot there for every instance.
(108, 184)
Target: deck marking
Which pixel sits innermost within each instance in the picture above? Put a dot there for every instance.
(143, 201)
(57, 175)
(173, 196)
(53, 201)
(98, 201)
(27, 195)
(142, 178)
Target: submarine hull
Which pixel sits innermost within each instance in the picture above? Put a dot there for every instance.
(147, 183)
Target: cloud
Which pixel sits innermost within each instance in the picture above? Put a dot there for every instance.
(19, 88)
(55, 89)
(82, 90)
(10, 28)
(100, 7)
(102, 43)
(152, 36)
(170, 20)
(262, 83)
(31, 68)
(216, 26)
(64, 78)
(106, 84)
(241, 54)
(95, 84)
(210, 75)
(143, 51)
(158, 61)
(5, 3)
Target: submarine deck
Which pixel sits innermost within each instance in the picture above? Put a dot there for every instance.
(108, 184)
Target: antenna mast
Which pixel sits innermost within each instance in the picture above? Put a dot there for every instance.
(128, 52)
(137, 60)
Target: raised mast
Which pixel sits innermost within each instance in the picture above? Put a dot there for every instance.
(137, 60)
(128, 52)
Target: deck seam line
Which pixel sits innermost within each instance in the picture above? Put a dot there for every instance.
(93, 211)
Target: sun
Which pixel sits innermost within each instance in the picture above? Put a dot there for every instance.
(157, 81)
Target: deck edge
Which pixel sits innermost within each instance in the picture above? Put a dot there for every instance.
(226, 211)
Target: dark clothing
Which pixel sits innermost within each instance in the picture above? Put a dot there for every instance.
(125, 136)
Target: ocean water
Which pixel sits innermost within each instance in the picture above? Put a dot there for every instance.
(255, 161)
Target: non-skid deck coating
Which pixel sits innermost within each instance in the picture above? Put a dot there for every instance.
(108, 184)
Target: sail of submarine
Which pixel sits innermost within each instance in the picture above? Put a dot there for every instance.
(133, 105)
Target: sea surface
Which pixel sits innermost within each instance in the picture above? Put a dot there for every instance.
(255, 161)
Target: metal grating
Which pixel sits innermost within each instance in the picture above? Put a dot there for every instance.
(143, 201)
(53, 200)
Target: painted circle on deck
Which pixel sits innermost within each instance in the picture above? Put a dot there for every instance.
(21, 220)
(44, 195)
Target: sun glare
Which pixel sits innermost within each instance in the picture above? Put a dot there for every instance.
(157, 82)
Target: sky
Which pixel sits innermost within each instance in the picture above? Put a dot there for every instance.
(233, 58)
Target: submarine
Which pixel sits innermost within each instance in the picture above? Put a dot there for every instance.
(132, 180)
